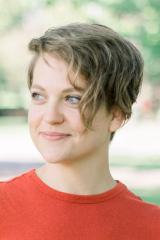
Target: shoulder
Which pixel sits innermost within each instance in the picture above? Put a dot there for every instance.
(14, 182)
(151, 219)
(137, 204)
(13, 194)
(13, 188)
(155, 229)
(144, 214)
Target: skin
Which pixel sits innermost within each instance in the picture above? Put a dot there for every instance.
(78, 163)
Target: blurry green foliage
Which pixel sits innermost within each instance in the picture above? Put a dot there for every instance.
(138, 20)
(149, 195)
(3, 81)
(145, 15)
(49, 2)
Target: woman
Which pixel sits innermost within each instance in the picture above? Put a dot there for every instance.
(83, 80)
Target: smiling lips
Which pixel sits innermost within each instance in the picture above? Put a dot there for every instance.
(54, 135)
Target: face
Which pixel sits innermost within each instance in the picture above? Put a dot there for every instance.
(54, 119)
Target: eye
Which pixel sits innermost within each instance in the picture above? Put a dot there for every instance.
(36, 96)
(73, 99)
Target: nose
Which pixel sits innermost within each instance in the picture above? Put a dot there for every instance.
(54, 113)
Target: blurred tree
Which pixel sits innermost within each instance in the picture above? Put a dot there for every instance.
(50, 2)
(143, 19)
(13, 12)
(3, 81)
(19, 19)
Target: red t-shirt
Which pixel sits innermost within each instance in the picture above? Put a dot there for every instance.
(31, 210)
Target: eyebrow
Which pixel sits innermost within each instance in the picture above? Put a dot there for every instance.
(80, 89)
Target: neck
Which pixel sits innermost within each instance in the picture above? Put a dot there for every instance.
(85, 177)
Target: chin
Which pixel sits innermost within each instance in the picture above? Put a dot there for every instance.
(53, 158)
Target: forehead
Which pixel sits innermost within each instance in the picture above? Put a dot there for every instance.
(52, 67)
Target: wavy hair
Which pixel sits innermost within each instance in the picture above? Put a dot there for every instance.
(111, 65)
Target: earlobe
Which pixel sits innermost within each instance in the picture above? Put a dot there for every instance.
(117, 119)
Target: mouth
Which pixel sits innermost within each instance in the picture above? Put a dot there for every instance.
(54, 135)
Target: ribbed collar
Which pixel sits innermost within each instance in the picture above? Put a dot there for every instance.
(101, 197)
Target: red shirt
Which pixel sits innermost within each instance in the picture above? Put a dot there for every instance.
(31, 210)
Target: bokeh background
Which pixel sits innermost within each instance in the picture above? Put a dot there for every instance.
(135, 150)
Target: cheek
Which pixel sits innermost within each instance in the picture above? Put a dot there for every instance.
(33, 116)
(75, 121)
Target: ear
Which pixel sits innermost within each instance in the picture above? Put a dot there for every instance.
(117, 119)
